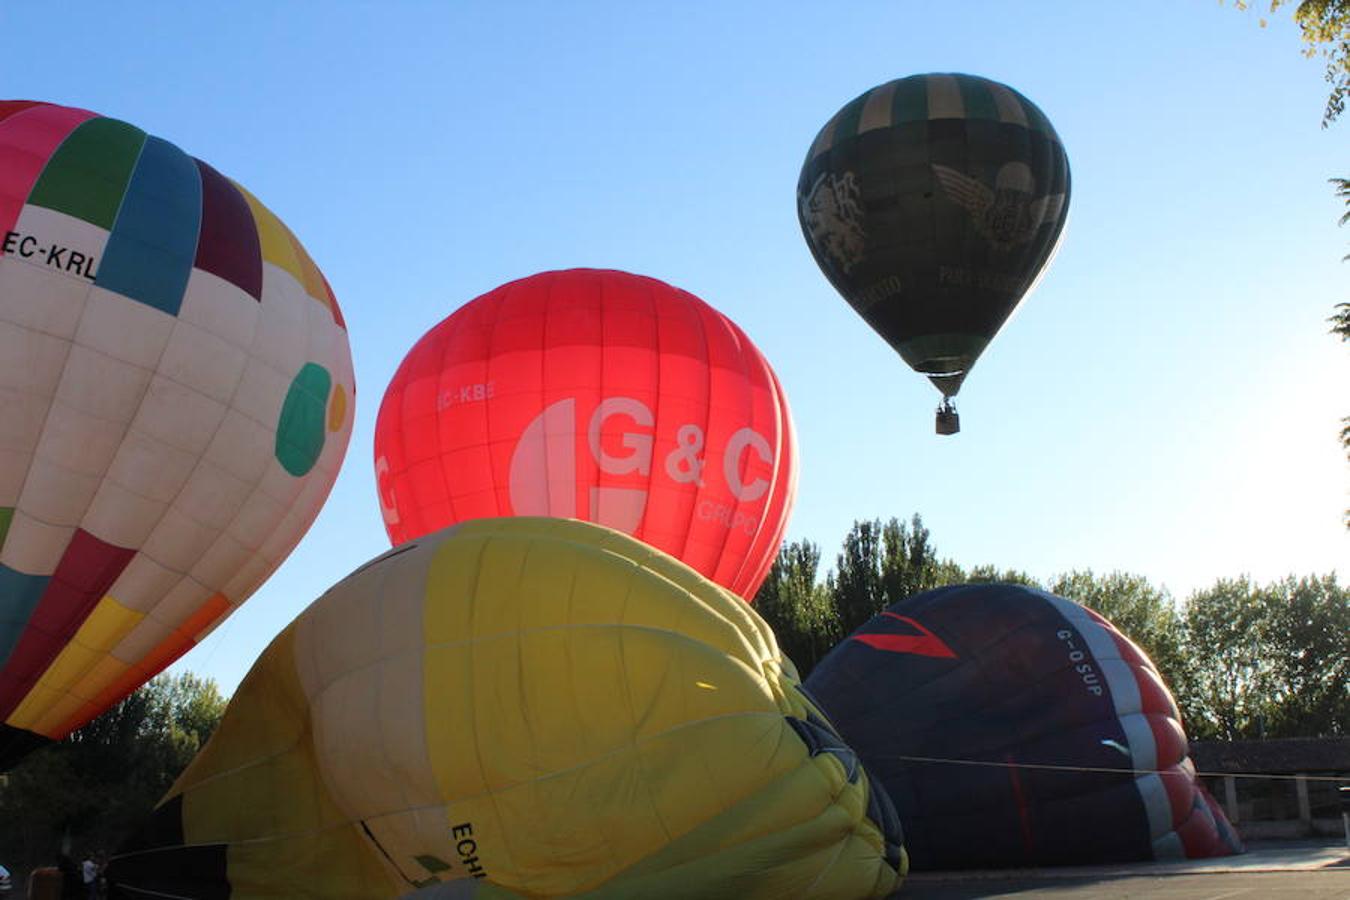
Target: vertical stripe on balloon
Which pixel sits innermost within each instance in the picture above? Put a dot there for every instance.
(27, 140)
(87, 569)
(87, 176)
(911, 101)
(228, 245)
(10, 107)
(21, 593)
(332, 302)
(977, 99)
(277, 246)
(154, 239)
(311, 278)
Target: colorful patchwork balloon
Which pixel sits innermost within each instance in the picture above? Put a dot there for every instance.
(1012, 727)
(521, 707)
(177, 389)
(596, 395)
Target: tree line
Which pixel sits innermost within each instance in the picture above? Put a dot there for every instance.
(1244, 660)
(86, 794)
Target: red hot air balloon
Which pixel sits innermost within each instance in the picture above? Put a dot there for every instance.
(597, 395)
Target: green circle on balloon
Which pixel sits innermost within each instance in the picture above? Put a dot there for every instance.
(300, 431)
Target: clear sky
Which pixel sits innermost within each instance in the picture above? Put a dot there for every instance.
(1166, 403)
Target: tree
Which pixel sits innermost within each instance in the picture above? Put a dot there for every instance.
(987, 574)
(1340, 325)
(883, 564)
(856, 584)
(800, 610)
(1227, 630)
(1308, 627)
(95, 786)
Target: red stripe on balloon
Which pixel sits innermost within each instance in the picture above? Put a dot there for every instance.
(28, 138)
(923, 644)
(1023, 812)
(86, 571)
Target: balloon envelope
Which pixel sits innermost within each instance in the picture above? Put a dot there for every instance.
(521, 706)
(596, 395)
(178, 392)
(932, 203)
(1013, 727)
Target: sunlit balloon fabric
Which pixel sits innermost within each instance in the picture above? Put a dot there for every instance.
(526, 707)
(177, 394)
(932, 203)
(1013, 727)
(597, 395)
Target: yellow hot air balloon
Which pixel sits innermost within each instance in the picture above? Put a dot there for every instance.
(526, 707)
(176, 387)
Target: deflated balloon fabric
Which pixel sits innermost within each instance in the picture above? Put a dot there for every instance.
(524, 707)
(178, 391)
(1013, 727)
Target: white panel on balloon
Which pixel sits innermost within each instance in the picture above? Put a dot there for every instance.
(261, 393)
(124, 328)
(143, 582)
(213, 495)
(219, 307)
(281, 330)
(32, 546)
(242, 447)
(121, 516)
(203, 362)
(177, 541)
(179, 415)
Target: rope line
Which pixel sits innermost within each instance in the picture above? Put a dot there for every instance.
(1344, 779)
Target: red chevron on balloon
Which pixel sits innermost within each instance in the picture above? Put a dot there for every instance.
(925, 643)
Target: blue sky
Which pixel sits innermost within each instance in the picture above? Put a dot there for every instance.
(1166, 403)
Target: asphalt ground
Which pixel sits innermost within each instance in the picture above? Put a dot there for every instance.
(1307, 870)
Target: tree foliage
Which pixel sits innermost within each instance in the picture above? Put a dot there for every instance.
(798, 607)
(95, 786)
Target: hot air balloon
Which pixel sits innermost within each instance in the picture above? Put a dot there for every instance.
(177, 388)
(524, 707)
(933, 204)
(595, 395)
(1012, 727)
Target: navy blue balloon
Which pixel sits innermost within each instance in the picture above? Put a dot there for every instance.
(1012, 727)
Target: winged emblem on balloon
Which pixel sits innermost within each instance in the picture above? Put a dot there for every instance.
(1007, 214)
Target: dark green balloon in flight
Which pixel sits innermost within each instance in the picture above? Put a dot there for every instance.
(933, 203)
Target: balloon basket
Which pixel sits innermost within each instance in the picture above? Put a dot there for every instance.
(948, 421)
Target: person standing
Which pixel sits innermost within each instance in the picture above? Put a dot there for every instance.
(89, 872)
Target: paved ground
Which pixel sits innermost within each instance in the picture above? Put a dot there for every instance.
(1307, 870)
